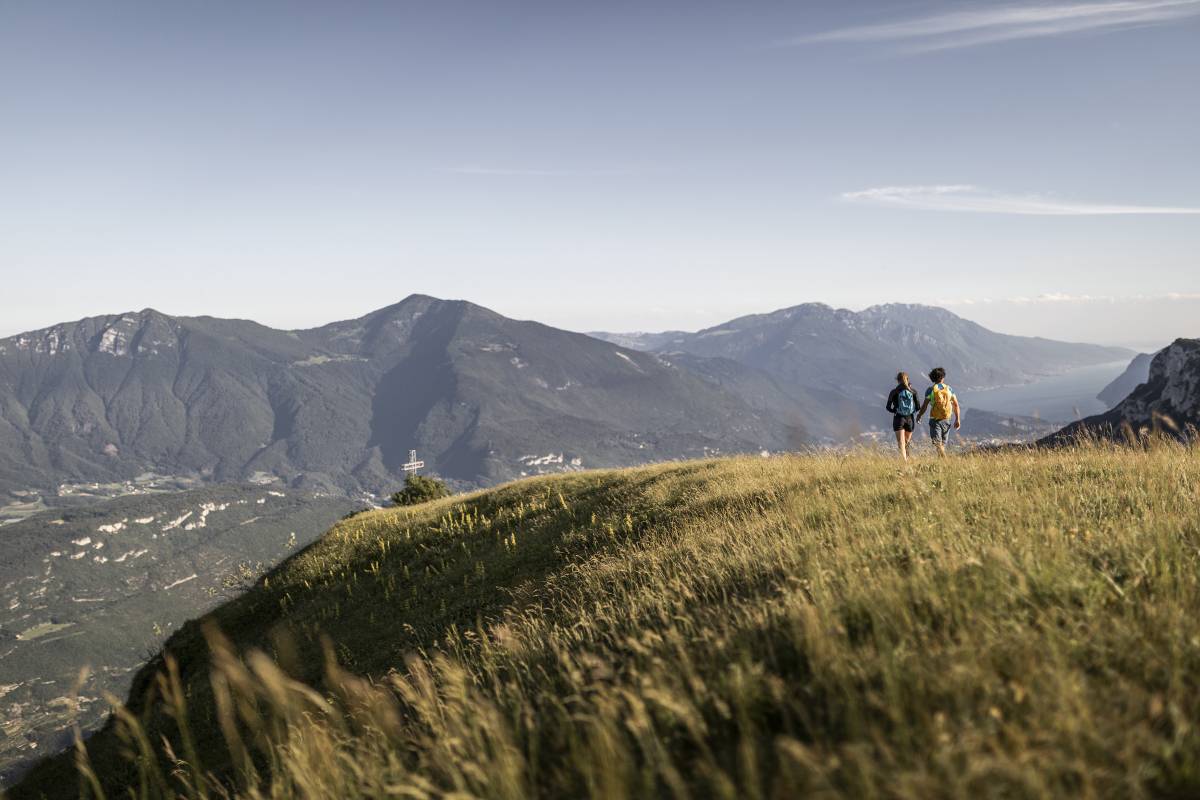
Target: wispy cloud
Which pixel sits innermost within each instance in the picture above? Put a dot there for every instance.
(981, 26)
(961, 197)
(519, 172)
(1064, 298)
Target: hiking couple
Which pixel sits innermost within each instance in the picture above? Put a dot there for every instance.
(939, 401)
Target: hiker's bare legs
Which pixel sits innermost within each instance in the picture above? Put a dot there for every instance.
(941, 449)
(902, 443)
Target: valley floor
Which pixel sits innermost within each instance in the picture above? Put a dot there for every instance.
(1013, 624)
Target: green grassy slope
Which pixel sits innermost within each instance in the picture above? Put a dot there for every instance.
(1001, 625)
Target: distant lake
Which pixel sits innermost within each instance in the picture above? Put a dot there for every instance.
(1059, 398)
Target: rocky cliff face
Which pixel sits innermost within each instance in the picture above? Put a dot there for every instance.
(1168, 401)
(1173, 390)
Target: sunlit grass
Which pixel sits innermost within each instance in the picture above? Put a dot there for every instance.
(1016, 624)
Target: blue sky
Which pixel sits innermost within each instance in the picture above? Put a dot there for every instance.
(619, 165)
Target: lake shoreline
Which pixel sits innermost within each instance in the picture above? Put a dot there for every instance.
(1060, 398)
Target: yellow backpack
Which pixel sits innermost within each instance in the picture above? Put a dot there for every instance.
(940, 402)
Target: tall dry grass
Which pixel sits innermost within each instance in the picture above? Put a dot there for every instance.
(1010, 624)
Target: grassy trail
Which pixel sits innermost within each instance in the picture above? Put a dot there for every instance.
(1018, 624)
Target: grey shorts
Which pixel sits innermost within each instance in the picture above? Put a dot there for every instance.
(939, 430)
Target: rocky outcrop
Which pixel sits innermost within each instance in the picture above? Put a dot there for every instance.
(1169, 401)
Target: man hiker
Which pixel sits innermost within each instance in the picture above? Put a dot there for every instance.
(941, 402)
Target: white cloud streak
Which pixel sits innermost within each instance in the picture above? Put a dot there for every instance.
(963, 197)
(982, 26)
(1063, 298)
(507, 172)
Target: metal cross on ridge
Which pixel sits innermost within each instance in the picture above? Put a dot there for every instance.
(413, 464)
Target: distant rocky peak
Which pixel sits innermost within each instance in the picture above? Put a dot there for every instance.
(118, 335)
(48, 341)
(779, 317)
(146, 332)
(910, 313)
(802, 309)
(383, 331)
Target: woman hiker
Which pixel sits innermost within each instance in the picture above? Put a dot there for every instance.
(902, 402)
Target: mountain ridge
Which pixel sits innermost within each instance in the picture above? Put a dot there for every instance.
(340, 405)
(482, 397)
(858, 351)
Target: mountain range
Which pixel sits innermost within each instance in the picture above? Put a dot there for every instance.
(481, 397)
(857, 352)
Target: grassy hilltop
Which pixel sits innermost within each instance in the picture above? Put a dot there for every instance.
(1020, 624)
